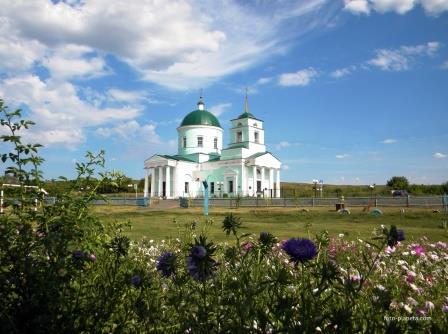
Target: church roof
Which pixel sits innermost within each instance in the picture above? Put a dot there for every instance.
(200, 116)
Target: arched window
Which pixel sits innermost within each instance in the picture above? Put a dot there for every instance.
(256, 137)
(200, 141)
(184, 142)
(240, 124)
(215, 143)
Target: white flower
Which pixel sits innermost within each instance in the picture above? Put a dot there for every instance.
(151, 241)
(380, 287)
(341, 235)
(429, 305)
(411, 301)
(408, 308)
(414, 287)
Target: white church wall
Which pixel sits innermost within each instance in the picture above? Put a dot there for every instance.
(208, 133)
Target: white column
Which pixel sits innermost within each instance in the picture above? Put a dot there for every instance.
(243, 179)
(262, 180)
(153, 181)
(254, 181)
(271, 182)
(168, 182)
(278, 183)
(160, 181)
(145, 190)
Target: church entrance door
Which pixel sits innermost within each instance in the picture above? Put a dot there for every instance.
(163, 189)
(258, 186)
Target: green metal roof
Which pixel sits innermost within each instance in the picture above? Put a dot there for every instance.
(200, 117)
(246, 115)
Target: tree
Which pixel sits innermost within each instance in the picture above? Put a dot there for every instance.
(445, 187)
(398, 182)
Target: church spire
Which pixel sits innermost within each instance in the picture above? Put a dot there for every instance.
(246, 104)
(201, 105)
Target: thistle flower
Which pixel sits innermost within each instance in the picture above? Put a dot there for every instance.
(248, 246)
(400, 235)
(200, 264)
(166, 264)
(78, 254)
(198, 252)
(135, 280)
(300, 250)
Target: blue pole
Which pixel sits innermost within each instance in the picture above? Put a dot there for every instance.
(205, 198)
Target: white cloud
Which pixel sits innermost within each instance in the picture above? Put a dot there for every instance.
(342, 156)
(61, 115)
(389, 141)
(434, 7)
(16, 54)
(263, 81)
(431, 7)
(282, 144)
(131, 130)
(285, 167)
(218, 109)
(444, 66)
(129, 96)
(357, 6)
(74, 61)
(299, 78)
(179, 44)
(342, 72)
(439, 155)
(403, 58)
(398, 6)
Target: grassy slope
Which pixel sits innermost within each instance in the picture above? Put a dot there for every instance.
(284, 223)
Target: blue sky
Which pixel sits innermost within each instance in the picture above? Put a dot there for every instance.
(351, 92)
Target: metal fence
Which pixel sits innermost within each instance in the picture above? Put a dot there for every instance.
(421, 201)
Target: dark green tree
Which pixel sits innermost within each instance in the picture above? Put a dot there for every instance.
(398, 182)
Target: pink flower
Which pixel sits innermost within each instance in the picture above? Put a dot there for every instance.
(419, 250)
(429, 305)
(410, 278)
(421, 312)
(248, 246)
(445, 308)
(389, 249)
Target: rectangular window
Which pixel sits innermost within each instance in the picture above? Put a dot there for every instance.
(230, 186)
(256, 137)
(239, 137)
(212, 187)
(200, 141)
(215, 143)
(184, 142)
(187, 188)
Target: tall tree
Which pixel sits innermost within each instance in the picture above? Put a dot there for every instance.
(398, 182)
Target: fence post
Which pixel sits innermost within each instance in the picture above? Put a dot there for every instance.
(407, 201)
(312, 203)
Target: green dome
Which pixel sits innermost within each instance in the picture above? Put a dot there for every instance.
(246, 115)
(200, 117)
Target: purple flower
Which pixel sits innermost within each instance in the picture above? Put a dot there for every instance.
(248, 246)
(200, 269)
(135, 280)
(78, 254)
(400, 235)
(198, 252)
(166, 264)
(445, 308)
(92, 257)
(300, 250)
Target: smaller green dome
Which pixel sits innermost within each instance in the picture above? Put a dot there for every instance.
(200, 117)
(246, 115)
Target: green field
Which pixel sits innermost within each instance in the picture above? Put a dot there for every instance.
(284, 223)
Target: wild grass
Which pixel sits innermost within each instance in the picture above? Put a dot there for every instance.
(284, 223)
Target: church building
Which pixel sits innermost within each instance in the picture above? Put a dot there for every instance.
(243, 168)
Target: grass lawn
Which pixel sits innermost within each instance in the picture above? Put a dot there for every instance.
(282, 222)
